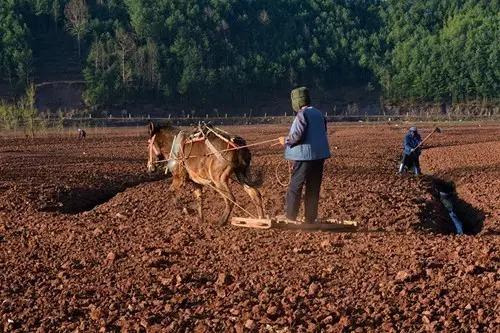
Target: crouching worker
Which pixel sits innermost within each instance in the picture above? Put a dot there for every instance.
(447, 195)
(448, 199)
(307, 147)
(81, 134)
(411, 151)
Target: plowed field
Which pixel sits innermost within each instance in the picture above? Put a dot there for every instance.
(90, 242)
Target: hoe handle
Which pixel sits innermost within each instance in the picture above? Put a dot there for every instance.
(425, 139)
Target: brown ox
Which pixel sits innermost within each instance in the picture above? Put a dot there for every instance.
(207, 157)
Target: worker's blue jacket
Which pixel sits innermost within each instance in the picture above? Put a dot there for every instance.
(307, 140)
(412, 140)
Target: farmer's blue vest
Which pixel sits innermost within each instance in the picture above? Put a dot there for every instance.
(411, 141)
(314, 143)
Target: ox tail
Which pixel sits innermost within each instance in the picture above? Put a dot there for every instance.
(242, 167)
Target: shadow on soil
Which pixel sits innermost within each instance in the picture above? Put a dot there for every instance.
(82, 199)
(434, 216)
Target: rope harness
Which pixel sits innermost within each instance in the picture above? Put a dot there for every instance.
(231, 200)
(276, 173)
(201, 136)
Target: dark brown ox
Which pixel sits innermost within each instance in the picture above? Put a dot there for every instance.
(209, 159)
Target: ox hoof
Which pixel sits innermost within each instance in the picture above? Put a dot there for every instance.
(222, 222)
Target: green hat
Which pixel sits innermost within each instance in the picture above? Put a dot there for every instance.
(300, 97)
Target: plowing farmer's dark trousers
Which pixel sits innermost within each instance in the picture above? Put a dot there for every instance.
(410, 161)
(309, 173)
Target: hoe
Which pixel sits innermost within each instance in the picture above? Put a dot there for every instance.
(435, 130)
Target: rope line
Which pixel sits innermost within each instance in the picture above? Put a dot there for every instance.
(276, 173)
(233, 201)
(223, 150)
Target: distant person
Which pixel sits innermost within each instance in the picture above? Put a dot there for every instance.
(81, 134)
(411, 151)
(307, 146)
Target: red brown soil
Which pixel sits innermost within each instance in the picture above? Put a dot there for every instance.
(140, 261)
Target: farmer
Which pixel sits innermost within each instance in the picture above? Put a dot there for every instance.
(307, 146)
(411, 151)
(81, 134)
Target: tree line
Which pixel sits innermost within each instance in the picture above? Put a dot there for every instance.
(220, 50)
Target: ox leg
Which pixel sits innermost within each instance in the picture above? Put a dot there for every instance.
(256, 197)
(175, 186)
(228, 197)
(222, 186)
(198, 193)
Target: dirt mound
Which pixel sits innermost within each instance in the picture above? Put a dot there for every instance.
(435, 217)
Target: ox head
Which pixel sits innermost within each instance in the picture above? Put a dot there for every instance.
(155, 153)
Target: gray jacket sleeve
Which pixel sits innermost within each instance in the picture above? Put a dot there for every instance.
(297, 130)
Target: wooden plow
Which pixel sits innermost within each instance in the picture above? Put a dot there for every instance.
(330, 225)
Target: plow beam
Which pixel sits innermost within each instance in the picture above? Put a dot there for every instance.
(332, 225)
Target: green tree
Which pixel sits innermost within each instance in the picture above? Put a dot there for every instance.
(77, 16)
(218, 51)
(437, 50)
(15, 53)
